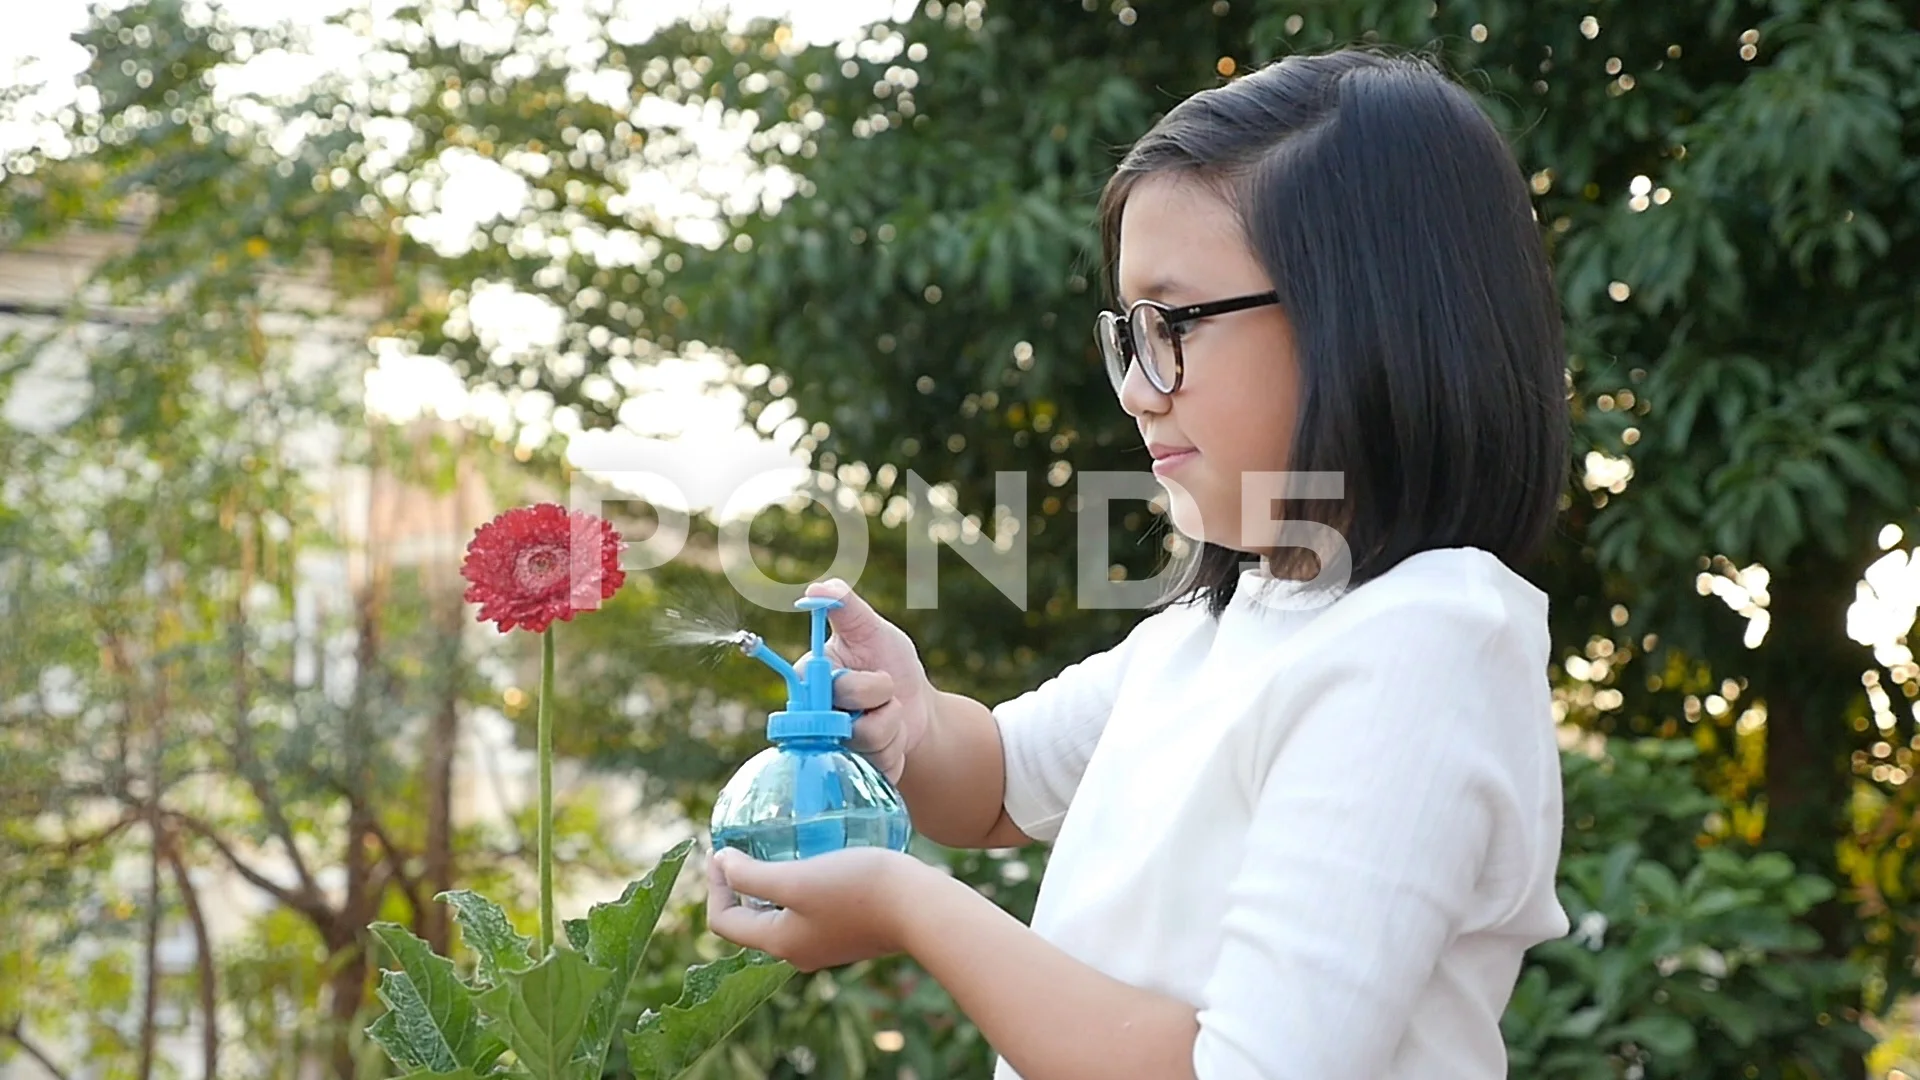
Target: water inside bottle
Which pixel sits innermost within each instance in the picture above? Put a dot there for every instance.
(778, 841)
(787, 839)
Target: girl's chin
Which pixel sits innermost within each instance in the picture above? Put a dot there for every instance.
(1188, 520)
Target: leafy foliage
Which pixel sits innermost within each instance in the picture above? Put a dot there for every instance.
(557, 1014)
(487, 931)
(1688, 958)
(717, 998)
(542, 1012)
(616, 939)
(434, 1021)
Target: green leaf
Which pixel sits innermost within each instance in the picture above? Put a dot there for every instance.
(386, 1031)
(577, 933)
(1856, 459)
(716, 999)
(1582, 1024)
(1664, 1036)
(1620, 864)
(540, 1012)
(1805, 891)
(433, 1022)
(1715, 901)
(456, 1074)
(1658, 881)
(1738, 1021)
(617, 936)
(484, 927)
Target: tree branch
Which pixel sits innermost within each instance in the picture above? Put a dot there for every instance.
(248, 762)
(76, 844)
(16, 1031)
(397, 861)
(150, 995)
(307, 902)
(203, 942)
(377, 881)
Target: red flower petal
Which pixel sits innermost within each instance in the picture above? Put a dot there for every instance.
(535, 564)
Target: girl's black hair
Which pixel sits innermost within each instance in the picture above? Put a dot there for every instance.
(1396, 226)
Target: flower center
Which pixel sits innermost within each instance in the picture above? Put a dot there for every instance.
(539, 569)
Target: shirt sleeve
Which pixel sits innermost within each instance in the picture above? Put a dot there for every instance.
(1048, 734)
(1410, 752)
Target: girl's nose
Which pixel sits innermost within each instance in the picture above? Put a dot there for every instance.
(1140, 397)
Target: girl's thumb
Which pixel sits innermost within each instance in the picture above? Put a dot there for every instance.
(749, 876)
(854, 619)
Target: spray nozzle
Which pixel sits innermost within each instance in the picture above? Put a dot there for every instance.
(809, 711)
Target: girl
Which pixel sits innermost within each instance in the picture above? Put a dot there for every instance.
(1306, 817)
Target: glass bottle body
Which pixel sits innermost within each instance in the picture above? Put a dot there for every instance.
(808, 796)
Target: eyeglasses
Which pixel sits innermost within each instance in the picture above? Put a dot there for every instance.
(1150, 332)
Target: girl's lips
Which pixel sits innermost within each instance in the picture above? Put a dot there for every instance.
(1164, 465)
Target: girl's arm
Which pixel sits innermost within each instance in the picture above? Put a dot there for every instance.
(1051, 1016)
(955, 782)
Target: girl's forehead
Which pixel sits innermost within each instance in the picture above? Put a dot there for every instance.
(1161, 198)
(1180, 239)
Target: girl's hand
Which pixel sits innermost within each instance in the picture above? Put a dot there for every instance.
(884, 677)
(837, 908)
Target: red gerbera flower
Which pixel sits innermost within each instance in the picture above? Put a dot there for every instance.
(535, 564)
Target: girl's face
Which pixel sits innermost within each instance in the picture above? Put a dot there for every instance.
(1233, 413)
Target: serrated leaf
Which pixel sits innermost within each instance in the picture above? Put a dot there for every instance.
(716, 999)
(541, 1012)
(617, 936)
(435, 1023)
(577, 933)
(486, 930)
(386, 1032)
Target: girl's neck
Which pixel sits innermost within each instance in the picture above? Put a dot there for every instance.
(1295, 567)
(1283, 572)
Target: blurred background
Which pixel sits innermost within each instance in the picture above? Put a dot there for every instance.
(294, 296)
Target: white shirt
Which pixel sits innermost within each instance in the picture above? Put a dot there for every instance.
(1334, 830)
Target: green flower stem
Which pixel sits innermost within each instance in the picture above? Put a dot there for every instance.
(546, 791)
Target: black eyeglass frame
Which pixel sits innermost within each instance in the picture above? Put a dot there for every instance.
(1112, 324)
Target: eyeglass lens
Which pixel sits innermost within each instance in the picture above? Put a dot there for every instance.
(1152, 341)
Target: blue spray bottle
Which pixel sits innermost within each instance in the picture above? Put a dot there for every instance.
(808, 793)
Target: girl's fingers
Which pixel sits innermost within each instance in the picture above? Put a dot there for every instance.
(746, 927)
(862, 690)
(775, 883)
(720, 895)
(727, 917)
(876, 729)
